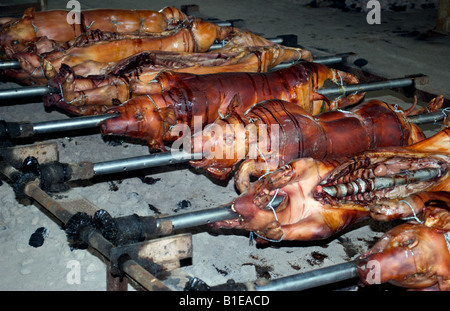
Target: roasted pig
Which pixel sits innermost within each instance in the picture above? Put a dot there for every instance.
(197, 100)
(15, 34)
(274, 132)
(416, 254)
(194, 35)
(321, 198)
(95, 83)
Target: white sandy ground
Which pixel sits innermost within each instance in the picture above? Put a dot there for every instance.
(218, 255)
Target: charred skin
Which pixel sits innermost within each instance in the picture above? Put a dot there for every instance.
(297, 134)
(15, 34)
(208, 97)
(309, 213)
(413, 255)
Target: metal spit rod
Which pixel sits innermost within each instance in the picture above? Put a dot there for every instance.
(9, 64)
(326, 60)
(216, 46)
(379, 183)
(26, 91)
(431, 117)
(198, 218)
(142, 162)
(168, 158)
(71, 124)
(311, 279)
(207, 216)
(23, 130)
(365, 87)
(225, 212)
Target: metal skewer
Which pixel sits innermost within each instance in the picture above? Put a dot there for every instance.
(276, 40)
(431, 117)
(325, 60)
(296, 282)
(142, 162)
(22, 130)
(380, 183)
(26, 91)
(311, 279)
(366, 87)
(9, 64)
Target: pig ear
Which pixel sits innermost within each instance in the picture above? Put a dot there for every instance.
(168, 115)
(29, 12)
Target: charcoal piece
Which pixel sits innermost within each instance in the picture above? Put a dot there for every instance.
(183, 205)
(196, 285)
(149, 180)
(360, 62)
(38, 237)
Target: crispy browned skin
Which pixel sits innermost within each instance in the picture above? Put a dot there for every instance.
(293, 133)
(194, 35)
(413, 255)
(180, 97)
(129, 77)
(308, 213)
(15, 34)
